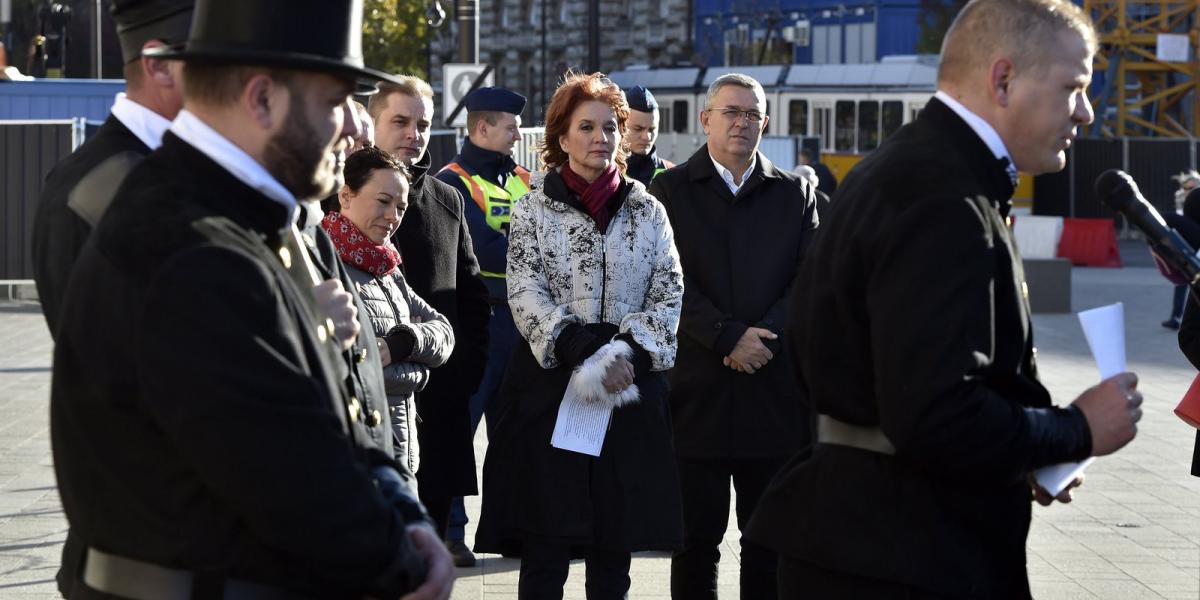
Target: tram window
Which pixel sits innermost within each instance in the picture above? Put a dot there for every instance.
(868, 125)
(893, 117)
(843, 133)
(664, 118)
(822, 121)
(798, 117)
(680, 124)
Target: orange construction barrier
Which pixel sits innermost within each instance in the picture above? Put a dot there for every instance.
(1089, 242)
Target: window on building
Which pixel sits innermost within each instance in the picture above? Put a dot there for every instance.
(893, 117)
(854, 43)
(844, 126)
(827, 44)
(798, 117)
(868, 125)
(868, 42)
(822, 126)
(680, 122)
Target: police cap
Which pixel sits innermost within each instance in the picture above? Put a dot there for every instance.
(495, 99)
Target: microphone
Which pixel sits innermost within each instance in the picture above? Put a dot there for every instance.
(1118, 191)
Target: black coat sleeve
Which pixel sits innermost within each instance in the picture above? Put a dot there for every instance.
(58, 237)
(932, 344)
(699, 318)
(776, 317)
(229, 379)
(474, 312)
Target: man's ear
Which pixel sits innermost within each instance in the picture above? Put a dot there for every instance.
(265, 100)
(999, 80)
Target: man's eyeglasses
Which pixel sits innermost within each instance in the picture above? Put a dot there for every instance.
(734, 114)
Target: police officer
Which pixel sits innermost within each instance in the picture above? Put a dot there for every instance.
(643, 163)
(487, 177)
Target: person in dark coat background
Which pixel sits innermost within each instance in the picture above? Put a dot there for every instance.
(827, 182)
(80, 187)
(203, 436)
(742, 227)
(490, 182)
(913, 336)
(644, 163)
(595, 289)
(440, 265)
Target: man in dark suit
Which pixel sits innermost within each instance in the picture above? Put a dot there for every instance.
(914, 340)
(742, 227)
(80, 187)
(826, 182)
(440, 265)
(204, 438)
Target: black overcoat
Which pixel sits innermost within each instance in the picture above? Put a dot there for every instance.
(198, 420)
(70, 207)
(740, 258)
(914, 320)
(439, 264)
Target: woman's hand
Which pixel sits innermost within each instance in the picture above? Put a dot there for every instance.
(618, 376)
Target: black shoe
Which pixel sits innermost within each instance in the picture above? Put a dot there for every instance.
(1171, 323)
(461, 553)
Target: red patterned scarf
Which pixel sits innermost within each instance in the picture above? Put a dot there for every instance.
(594, 195)
(357, 250)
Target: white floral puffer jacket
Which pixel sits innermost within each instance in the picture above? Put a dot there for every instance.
(562, 270)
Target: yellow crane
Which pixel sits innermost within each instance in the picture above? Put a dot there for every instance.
(1147, 64)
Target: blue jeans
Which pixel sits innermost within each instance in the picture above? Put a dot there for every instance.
(503, 337)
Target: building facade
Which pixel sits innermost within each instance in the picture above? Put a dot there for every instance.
(531, 43)
(762, 32)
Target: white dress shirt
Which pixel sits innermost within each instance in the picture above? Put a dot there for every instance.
(241, 165)
(146, 124)
(727, 175)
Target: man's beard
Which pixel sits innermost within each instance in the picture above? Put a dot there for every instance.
(297, 157)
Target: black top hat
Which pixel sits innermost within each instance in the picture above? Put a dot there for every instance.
(139, 21)
(312, 35)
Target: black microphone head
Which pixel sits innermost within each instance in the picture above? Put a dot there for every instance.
(1115, 188)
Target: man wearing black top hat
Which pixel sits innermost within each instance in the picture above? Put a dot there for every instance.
(204, 440)
(81, 186)
(490, 182)
(643, 163)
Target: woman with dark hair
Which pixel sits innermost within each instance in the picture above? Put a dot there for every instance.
(413, 337)
(595, 288)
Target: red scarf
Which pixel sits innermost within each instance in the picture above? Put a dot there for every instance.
(356, 249)
(594, 195)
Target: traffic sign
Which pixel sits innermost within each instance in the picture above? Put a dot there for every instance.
(457, 80)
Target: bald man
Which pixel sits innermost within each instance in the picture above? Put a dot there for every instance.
(914, 339)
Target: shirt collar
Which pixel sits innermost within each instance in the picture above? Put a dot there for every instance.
(982, 128)
(144, 123)
(727, 175)
(241, 165)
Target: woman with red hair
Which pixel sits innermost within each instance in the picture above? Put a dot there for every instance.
(595, 287)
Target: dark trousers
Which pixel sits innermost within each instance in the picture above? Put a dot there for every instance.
(803, 581)
(544, 571)
(1177, 300)
(502, 338)
(704, 487)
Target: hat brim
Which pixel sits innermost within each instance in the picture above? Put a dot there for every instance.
(364, 77)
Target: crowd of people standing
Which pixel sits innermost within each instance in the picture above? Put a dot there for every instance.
(277, 328)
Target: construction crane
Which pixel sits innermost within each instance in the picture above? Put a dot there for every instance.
(1146, 68)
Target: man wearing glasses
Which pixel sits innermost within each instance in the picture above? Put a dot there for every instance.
(741, 227)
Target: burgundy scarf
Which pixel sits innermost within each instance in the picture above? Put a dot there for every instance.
(356, 249)
(594, 195)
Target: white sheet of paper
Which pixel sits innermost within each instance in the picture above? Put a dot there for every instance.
(1104, 328)
(581, 425)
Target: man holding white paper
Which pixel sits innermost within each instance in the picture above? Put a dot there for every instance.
(914, 340)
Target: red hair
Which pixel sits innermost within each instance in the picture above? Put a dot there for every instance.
(576, 89)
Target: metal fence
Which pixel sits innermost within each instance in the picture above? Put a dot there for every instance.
(1151, 162)
(28, 150)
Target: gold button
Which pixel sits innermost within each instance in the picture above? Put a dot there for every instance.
(1025, 289)
(355, 409)
(374, 419)
(285, 255)
(361, 357)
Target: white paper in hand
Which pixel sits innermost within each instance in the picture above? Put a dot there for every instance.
(581, 425)
(1104, 328)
